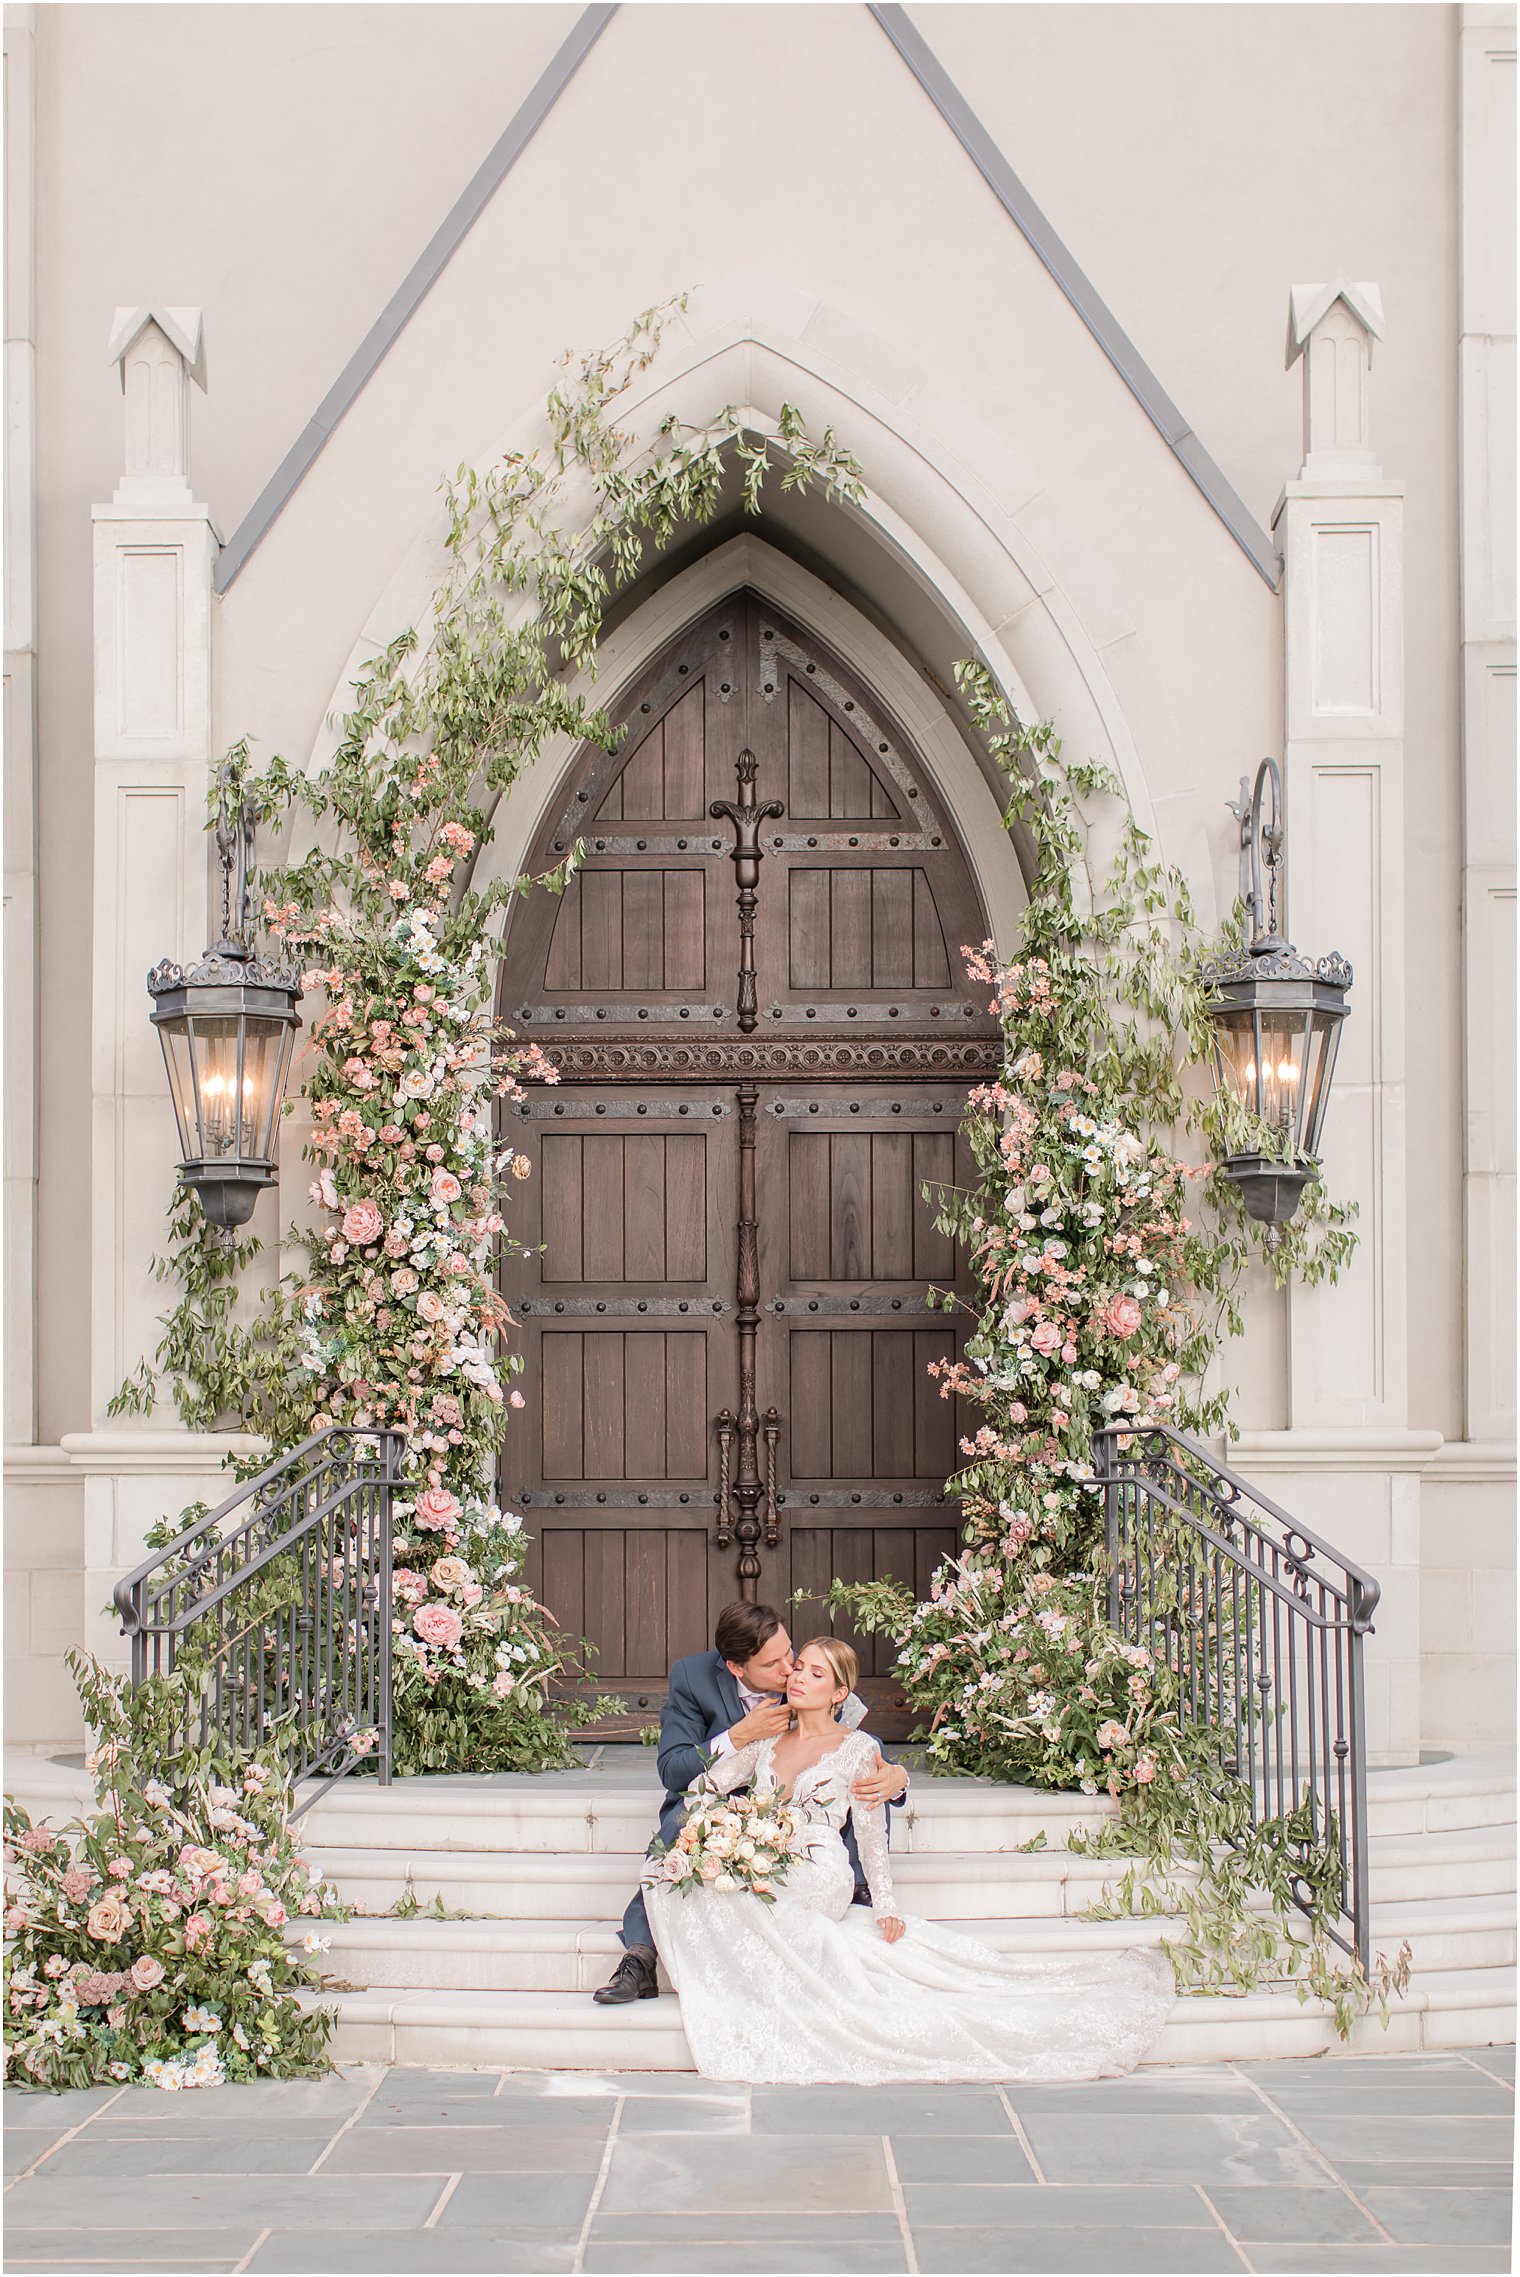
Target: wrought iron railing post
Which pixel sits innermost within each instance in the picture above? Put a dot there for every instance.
(1108, 1472)
(1364, 1597)
(314, 1530)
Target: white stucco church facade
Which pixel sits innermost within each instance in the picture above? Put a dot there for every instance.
(1177, 347)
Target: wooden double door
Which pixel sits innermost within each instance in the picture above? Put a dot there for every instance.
(754, 995)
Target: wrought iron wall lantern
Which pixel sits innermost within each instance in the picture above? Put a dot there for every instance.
(1277, 1021)
(227, 1027)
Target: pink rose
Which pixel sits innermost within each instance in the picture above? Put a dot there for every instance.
(362, 1223)
(1046, 1337)
(273, 1913)
(146, 1972)
(1120, 1316)
(446, 1187)
(430, 1305)
(1145, 1770)
(438, 1625)
(437, 1509)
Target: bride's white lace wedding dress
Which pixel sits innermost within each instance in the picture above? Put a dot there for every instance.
(808, 1990)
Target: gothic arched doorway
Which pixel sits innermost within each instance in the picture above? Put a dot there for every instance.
(725, 1335)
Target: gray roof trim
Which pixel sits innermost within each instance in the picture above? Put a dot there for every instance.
(1116, 344)
(409, 295)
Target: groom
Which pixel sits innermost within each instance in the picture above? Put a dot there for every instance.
(719, 1701)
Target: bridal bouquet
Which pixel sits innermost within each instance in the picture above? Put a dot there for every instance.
(731, 1842)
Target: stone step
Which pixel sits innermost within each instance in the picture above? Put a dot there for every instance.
(564, 2031)
(592, 1811)
(944, 1884)
(557, 1955)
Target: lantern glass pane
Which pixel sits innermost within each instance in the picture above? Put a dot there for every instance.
(172, 1034)
(1283, 1039)
(261, 1068)
(1235, 1050)
(1324, 1043)
(216, 1083)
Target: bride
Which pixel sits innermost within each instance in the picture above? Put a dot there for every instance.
(807, 1990)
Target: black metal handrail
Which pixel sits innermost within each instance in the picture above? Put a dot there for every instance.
(306, 1657)
(1261, 1624)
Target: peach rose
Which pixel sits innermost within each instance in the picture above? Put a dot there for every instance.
(445, 1187)
(430, 1305)
(146, 1972)
(107, 1918)
(438, 1625)
(437, 1509)
(362, 1223)
(1046, 1337)
(1121, 1317)
(448, 1573)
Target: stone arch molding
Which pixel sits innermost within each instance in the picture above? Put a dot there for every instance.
(942, 498)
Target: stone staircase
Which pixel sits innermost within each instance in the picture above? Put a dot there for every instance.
(544, 1866)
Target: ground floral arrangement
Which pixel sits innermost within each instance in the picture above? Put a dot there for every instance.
(155, 1942)
(395, 1319)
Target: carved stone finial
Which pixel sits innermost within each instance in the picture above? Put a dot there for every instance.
(158, 351)
(1333, 326)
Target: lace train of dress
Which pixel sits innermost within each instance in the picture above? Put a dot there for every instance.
(808, 1991)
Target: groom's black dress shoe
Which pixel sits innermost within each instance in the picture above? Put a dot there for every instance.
(634, 1978)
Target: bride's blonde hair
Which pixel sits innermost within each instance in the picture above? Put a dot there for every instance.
(842, 1659)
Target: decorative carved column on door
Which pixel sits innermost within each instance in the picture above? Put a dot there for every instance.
(739, 1498)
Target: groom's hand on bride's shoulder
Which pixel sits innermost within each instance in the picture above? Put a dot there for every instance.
(768, 1721)
(883, 1785)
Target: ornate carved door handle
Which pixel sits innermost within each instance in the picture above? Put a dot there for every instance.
(746, 818)
(772, 1517)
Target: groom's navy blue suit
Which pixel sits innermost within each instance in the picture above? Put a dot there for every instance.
(702, 1701)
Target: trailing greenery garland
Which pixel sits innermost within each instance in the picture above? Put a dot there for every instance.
(395, 1319)
(1108, 1270)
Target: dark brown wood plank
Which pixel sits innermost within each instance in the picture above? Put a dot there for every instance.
(643, 930)
(686, 1556)
(604, 1564)
(892, 1205)
(559, 1169)
(935, 1455)
(601, 928)
(808, 928)
(644, 1382)
(850, 1205)
(892, 1357)
(891, 928)
(850, 1558)
(686, 757)
(808, 1205)
(563, 966)
(849, 779)
(563, 1576)
(644, 1206)
(931, 960)
(603, 1403)
(687, 1413)
(685, 1206)
(685, 931)
(647, 1643)
(643, 779)
(810, 1547)
(849, 929)
(560, 1422)
(602, 1206)
(808, 1410)
(807, 756)
(850, 1431)
(934, 1165)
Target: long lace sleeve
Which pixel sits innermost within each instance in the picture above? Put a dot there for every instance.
(729, 1771)
(871, 1838)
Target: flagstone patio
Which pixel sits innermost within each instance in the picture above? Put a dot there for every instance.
(1397, 2162)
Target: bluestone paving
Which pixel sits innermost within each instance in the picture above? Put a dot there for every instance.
(1100, 2252)
(1442, 2217)
(1398, 2164)
(1318, 2217)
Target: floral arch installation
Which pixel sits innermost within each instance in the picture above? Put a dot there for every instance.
(754, 994)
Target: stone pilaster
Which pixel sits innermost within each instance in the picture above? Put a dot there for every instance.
(1354, 1461)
